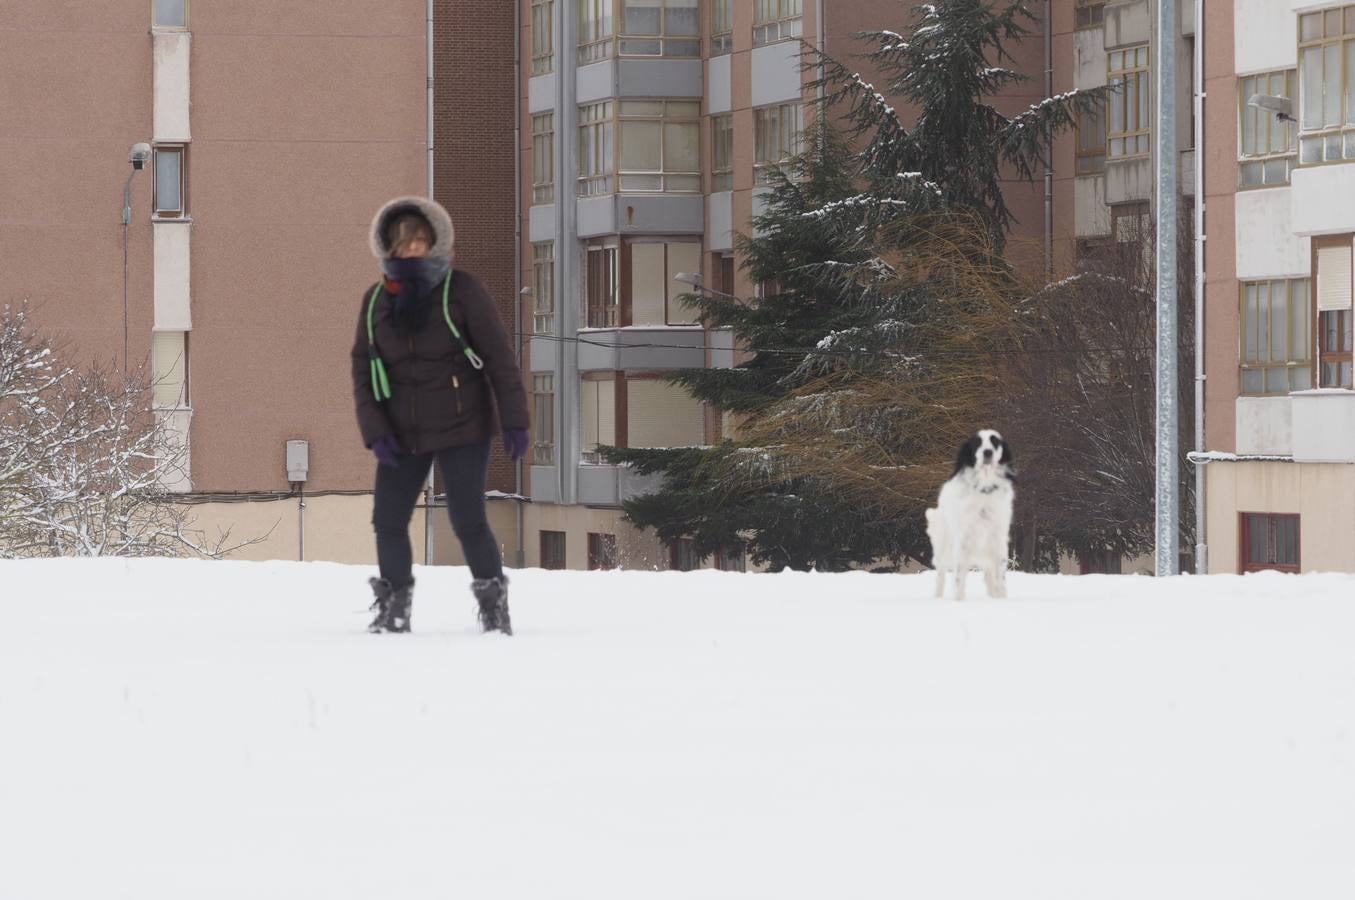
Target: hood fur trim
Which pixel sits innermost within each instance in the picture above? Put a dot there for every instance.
(444, 235)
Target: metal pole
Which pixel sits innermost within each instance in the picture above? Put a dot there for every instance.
(1049, 144)
(428, 485)
(1201, 519)
(520, 557)
(126, 223)
(1168, 501)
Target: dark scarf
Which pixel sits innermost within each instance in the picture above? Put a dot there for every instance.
(417, 281)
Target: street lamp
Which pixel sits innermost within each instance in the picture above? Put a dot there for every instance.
(695, 280)
(138, 156)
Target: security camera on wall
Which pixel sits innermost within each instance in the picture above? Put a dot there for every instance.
(1283, 107)
(139, 156)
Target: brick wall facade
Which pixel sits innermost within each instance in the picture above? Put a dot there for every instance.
(475, 79)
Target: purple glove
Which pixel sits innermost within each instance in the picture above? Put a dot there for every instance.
(515, 442)
(387, 450)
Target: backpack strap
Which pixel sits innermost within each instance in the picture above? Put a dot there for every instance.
(381, 388)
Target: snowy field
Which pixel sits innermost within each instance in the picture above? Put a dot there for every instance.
(194, 730)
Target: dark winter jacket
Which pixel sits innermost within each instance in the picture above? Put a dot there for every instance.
(438, 399)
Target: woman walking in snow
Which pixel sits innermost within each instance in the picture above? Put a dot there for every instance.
(431, 348)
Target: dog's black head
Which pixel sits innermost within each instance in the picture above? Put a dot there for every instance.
(986, 447)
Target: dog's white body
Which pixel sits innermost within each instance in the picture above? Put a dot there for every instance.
(970, 525)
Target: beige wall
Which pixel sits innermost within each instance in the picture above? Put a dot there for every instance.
(637, 550)
(1323, 495)
(337, 528)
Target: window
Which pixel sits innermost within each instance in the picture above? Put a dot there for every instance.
(682, 555)
(543, 36)
(1090, 13)
(1276, 337)
(776, 138)
(169, 182)
(659, 147)
(596, 149)
(1091, 139)
(722, 152)
(1269, 542)
(552, 549)
(543, 158)
(721, 28)
(732, 559)
(595, 30)
(169, 358)
(724, 270)
(775, 20)
(648, 28)
(1129, 101)
(543, 287)
(543, 420)
(1266, 145)
(1333, 264)
(171, 14)
(659, 414)
(600, 281)
(654, 298)
(660, 28)
(597, 415)
(1326, 71)
(1131, 232)
(601, 551)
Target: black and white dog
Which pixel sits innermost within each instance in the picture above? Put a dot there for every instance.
(973, 515)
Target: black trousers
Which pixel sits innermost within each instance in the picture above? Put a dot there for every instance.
(464, 470)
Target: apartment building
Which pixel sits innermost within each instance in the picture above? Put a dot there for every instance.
(1280, 410)
(648, 129)
(275, 132)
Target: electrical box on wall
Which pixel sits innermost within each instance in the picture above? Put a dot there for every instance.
(298, 460)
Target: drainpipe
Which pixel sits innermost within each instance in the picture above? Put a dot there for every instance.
(1201, 538)
(520, 557)
(1049, 149)
(428, 485)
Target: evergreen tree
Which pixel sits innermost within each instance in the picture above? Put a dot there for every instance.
(849, 240)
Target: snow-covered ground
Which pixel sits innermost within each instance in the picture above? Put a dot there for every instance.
(193, 730)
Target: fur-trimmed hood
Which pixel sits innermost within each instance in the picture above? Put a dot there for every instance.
(444, 235)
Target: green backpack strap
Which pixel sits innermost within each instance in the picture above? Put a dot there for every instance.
(381, 388)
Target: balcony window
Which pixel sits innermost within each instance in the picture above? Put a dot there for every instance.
(597, 149)
(1129, 103)
(543, 40)
(543, 420)
(776, 138)
(169, 182)
(1091, 139)
(722, 28)
(543, 158)
(658, 149)
(682, 556)
(1267, 146)
(654, 297)
(1276, 337)
(597, 416)
(600, 287)
(653, 28)
(543, 287)
(722, 152)
(775, 20)
(1333, 311)
(1326, 73)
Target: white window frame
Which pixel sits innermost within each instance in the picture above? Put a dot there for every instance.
(164, 210)
(1129, 104)
(776, 20)
(543, 158)
(543, 37)
(1326, 39)
(776, 138)
(722, 152)
(1267, 146)
(543, 426)
(1267, 359)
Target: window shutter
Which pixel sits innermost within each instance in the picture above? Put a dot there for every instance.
(1333, 278)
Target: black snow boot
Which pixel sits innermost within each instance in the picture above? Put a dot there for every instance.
(392, 605)
(492, 595)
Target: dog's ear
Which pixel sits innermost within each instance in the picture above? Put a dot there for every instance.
(968, 457)
(1007, 456)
